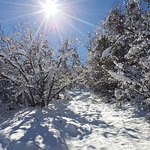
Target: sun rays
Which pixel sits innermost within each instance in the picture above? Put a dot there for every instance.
(52, 12)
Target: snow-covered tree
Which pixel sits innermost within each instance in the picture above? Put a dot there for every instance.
(34, 72)
(132, 55)
(96, 76)
(126, 55)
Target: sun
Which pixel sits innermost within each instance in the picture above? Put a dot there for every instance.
(50, 7)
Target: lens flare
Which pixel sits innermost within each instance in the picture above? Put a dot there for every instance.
(50, 8)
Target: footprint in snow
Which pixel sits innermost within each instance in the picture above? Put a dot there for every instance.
(71, 130)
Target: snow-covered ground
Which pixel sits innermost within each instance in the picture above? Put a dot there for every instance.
(82, 123)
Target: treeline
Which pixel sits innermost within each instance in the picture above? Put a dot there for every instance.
(33, 73)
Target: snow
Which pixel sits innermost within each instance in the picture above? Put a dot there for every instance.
(119, 65)
(132, 51)
(83, 123)
(118, 93)
(107, 52)
(120, 76)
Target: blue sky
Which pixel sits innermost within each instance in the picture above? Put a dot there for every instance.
(77, 18)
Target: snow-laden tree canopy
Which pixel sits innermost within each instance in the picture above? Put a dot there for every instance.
(119, 52)
(32, 72)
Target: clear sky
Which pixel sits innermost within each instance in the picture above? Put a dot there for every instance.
(75, 17)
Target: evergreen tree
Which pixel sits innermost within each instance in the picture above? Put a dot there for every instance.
(122, 57)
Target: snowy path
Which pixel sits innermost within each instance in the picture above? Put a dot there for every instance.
(80, 124)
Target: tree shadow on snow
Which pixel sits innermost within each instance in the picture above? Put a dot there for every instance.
(144, 113)
(49, 128)
(30, 133)
(74, 125)
(37, 134)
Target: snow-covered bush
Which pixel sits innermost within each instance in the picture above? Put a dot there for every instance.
(32, 72)
(96, 75)
(124, 59)
(131, 67)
